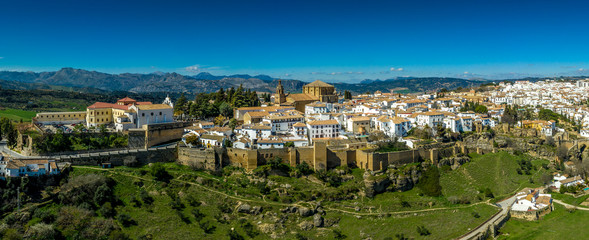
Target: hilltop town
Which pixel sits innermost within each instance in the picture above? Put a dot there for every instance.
(307, 165)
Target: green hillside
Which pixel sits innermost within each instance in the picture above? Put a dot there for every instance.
(497, 171)
(559, 224)
(17, 115)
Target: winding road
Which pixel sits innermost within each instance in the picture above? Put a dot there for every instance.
(4, 148)
(505, 205)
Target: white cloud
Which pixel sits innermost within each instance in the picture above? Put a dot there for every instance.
(399, 69)
(200, 68)
(193, 69)
(396, 69)
(465, 72)
(581, 70)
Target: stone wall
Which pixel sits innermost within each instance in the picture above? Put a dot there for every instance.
(532, 215)
(199, 158)
(155, 134)
(122, 157)
(319, 156)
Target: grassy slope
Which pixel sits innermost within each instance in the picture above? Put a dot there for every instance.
(560, 224)
(17, 115)
(161, 221)
(496, 171)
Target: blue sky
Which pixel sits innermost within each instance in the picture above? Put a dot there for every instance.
(329, 40)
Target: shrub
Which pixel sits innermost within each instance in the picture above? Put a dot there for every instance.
(488, 193)
(73, 219)
(207, 227)
(197, 214)
(89, 188)
(330, 177)
(263, 187)
(476, 215)
(176, 204)
(145, 197)
(107, 210)
(234, 235)
(159, 172)
(338, 234)
(249, 229)
(429, 184)
(46, 216)
(299, 236)
(41, 231)
(125, 220)
(405, 204)
(423, 231)
(192, 201)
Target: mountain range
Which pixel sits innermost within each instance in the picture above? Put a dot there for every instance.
(84, 80)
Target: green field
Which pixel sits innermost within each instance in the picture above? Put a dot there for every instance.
(17, 115)
(497, 171)
(559, 224)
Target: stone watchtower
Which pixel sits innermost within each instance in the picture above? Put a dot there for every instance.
(279, 97)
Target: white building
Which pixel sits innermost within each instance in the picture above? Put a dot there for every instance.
(152, 114)
(324, 129)
(211, 141)
(21, 168)
(283, 121)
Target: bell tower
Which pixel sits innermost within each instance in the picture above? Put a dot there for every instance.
(279, 97)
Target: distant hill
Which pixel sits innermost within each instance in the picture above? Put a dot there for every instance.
(408, 84)
(205, 82)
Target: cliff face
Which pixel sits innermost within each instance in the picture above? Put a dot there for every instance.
(523, 140)
(453, 162)
(394, 179)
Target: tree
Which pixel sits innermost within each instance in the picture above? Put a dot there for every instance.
(563, 153)
(225, 109)
(430, 182)
(347, 95)
(219, 120)
(481, 109)
(180, 103)
(159, 172)
(193, 140)
(233, 123)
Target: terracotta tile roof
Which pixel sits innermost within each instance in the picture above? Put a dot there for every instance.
(126, 99)
(302, 97)
(213, 137)
(153, 107)
(360, 119)
(106, 105)
(299, 124)
(318, 83)
(258, 114)
(324, 122)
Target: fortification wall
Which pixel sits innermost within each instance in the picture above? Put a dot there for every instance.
(320, 156)
(122, 157)
(163, 132)
(199, 158)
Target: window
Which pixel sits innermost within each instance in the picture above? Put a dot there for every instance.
(151, 114)
(160, 113)
(143, 114)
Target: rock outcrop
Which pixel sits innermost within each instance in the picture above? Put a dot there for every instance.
(394, 179)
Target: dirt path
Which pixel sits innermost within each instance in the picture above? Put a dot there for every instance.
(569, 205)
